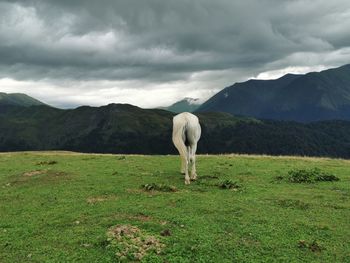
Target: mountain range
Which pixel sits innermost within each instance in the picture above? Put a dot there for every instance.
(123, 128)
(302, 105)
(314, 96)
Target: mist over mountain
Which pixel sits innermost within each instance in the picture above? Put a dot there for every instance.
(314, 96)
(187, 104)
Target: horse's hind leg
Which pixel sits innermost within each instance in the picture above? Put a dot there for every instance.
(184, 168)
(192, 160)
(185, 162)
(183, 165)
(181, 147)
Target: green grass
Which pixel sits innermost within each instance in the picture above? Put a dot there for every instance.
(58, 207)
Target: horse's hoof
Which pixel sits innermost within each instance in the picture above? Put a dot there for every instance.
(193, 177)
(187, 182)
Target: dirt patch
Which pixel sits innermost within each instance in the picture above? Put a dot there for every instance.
(134, 191)
(33, 173)
(44, 176)
(142, 217)
(131, 243)
(136, 217)
(98, 199)
(46, 172)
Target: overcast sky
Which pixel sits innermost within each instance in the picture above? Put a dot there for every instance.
(154, 52)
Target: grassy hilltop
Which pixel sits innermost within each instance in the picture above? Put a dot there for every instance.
(67, 207)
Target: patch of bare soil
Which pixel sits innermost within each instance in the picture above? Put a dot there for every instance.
(45, 176)
(141, 191)
(36, 172)
(139, 217)
(98, 199)
(131, 243)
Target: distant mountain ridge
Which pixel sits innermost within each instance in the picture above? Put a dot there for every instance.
(18, 99)
(314, 96)
(186, 104)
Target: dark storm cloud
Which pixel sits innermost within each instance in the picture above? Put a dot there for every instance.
(155, 39)
(77, 52)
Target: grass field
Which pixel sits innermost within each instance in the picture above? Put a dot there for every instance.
(58, 207)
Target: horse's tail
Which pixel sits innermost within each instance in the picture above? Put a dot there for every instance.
(186, 135)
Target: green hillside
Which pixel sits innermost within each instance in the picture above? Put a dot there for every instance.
(59, 207)
(314, 96)
(18, 99)
(122, 128)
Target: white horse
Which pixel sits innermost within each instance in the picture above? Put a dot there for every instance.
(186, 133)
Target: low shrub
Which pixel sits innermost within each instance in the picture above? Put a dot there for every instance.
(159, 187)
(228, 184)
(314, 246)
(46, 163)
(310, 176)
